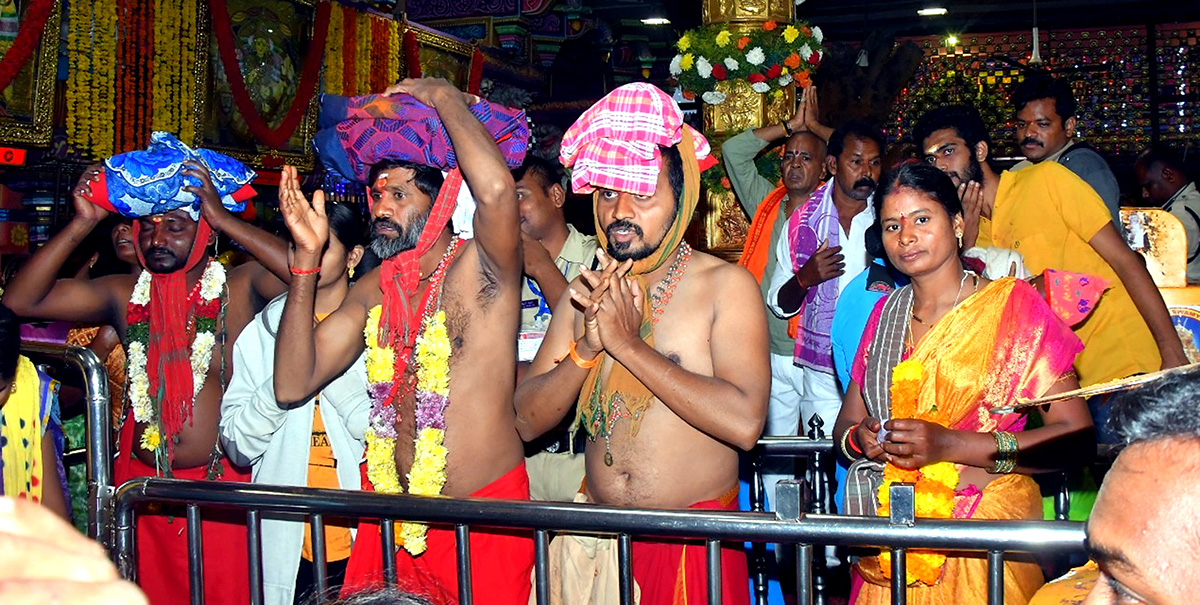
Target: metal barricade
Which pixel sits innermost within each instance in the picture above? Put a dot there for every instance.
(902, 531)
(99, 440)
(819, 484)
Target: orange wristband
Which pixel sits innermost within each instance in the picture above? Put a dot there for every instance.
(296, 271)
(584, 364)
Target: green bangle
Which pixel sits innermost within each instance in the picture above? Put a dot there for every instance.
(1006, 453)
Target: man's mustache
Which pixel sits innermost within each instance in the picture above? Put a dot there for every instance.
(623, 224)
(865, 182)
(1031, 141)
(158, 250)
(384, 222)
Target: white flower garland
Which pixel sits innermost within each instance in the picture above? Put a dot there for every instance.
(212, 284)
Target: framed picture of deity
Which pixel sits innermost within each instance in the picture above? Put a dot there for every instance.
(442, 56)
(27, 103)
(259, 103)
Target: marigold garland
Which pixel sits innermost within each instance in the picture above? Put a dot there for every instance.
(362, 55)
(332, 60)
(92, 46)
(431, 355)
(935, 484)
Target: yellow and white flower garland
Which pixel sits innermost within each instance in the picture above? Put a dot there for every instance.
(427, 476)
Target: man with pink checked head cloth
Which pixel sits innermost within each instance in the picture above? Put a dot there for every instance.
(664, 348)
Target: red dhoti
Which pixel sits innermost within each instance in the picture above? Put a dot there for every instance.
(501, 560)
(674, 572)
(162, 542)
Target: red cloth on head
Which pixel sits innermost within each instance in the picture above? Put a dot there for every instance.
(400, 275)
(167, 354)
(674, 572)
(501, 560)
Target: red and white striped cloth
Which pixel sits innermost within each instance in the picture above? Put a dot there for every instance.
(615, 143)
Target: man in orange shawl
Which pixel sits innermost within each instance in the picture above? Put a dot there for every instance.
(770, 204)
(668, 358)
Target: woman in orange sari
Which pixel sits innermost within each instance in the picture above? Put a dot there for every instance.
(937, 357)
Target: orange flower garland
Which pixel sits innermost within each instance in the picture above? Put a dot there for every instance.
(362, 55)
(935, 484)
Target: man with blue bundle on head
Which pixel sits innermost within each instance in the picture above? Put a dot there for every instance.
(439, 317)
(177, 320)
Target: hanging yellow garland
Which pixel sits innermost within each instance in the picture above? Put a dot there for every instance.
(393, 66)
(363, 67)
(187, 63)
(77, 76)
(163, 62)
(104, 51)
(333, 53)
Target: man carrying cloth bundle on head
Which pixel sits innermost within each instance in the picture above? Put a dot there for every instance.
(665, 348)
(440, 318)
(178, 320)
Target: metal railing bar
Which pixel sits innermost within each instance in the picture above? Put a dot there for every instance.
(995, 577)
(804, 584)
(713, 550)
(99, 441)
(625, 564)
(254, 546)
(772, 447)
(195, 551)
(899, 576)
(462, 534)
(320, 567)
(1026, 536)
(541, 556)
(387, 535)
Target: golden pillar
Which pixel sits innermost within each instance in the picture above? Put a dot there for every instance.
(724, 222)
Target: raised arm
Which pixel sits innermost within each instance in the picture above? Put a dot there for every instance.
(266, 248)
(496, 218)
(299, 371)
(1146, 297)
(730, 405)
(35, 292)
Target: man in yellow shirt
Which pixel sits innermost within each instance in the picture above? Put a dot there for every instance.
(1057, 221)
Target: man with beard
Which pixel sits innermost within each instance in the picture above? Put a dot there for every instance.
(823, 251)
(1045, 132)
(450, 389)
(177, 320)
(801, 166)
(1056, 221)
(664, 350)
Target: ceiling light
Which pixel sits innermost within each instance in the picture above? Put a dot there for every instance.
(656, 21)
(935, 11)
